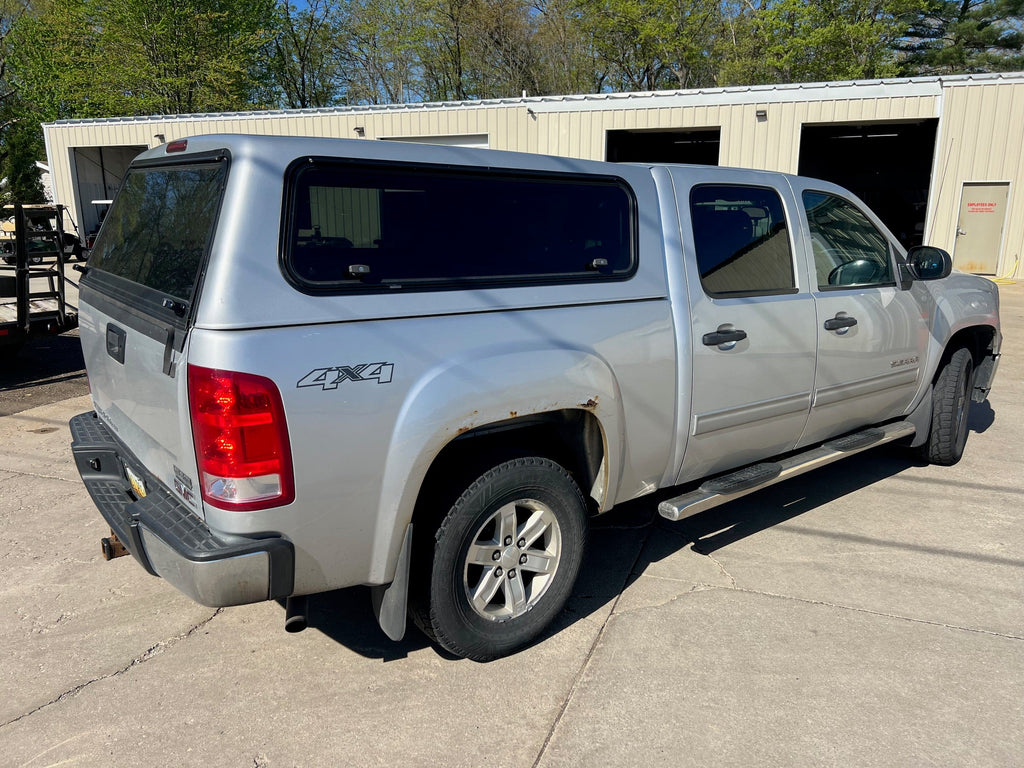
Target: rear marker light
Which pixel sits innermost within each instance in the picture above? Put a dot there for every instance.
(241, 439)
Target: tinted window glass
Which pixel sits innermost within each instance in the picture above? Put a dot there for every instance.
(159, 227)
(848, 249)
(363, 226)
(742, 240)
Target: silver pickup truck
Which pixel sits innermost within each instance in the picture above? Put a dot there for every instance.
(320, 363)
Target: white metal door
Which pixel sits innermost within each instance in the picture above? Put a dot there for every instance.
(752, 326)
(979, 233)
(871, 337)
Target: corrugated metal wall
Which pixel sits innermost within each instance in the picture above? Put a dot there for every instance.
(771, 144)
(979, 135)
(980, 139)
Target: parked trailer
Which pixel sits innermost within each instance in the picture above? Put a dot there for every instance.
(32, 282)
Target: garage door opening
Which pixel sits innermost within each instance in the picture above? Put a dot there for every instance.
(691, 146)
(887, 165)
(98, 173)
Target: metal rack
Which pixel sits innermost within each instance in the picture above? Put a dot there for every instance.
(33, 298)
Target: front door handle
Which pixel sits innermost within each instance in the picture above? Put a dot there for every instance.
(723, 337)
(840, 321)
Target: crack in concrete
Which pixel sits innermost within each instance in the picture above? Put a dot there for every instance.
(630, 574)
(717, 562)
(868, 611)
(694, 588)
(659, 577)
(704, 587)
(150, 652)
(39, 476)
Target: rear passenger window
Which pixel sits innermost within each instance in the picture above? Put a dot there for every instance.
(359, 226)
(848, 249)
(741, 240)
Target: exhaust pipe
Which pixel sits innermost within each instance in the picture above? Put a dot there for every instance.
(112, 547)
(295, 614)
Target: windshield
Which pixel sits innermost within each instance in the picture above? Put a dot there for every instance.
(160, 226)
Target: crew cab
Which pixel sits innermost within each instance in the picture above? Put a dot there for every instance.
(319, 363)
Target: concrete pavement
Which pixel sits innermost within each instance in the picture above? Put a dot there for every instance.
(871, 613)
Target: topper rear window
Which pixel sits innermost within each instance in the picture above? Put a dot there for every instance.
(366, 226)
(160, 226)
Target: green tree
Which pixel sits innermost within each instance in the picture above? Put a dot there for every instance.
(380, 45)
(21, 143)
(785, 41)
(302, 57)
(645, 45)
(502, 56)
(437, 50)
(188, 55)
(445, 57)
(11, 12)
(567, 61)
(92, 58)
(53, 63)
(946, 38)
(21, 146)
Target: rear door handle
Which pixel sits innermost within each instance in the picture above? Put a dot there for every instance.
(837, 322)
(723, 337)
(115, 342)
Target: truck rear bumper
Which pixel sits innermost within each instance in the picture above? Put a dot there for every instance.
(167, 538)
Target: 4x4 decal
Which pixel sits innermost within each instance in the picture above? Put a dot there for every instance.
(330, 378)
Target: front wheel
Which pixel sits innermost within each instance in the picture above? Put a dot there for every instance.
(951, 404)
(503, 561)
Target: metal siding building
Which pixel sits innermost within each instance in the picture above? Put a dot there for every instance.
(963, 131)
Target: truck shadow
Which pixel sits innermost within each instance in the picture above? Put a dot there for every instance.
(346, 616)
(623, 543)
(626, 541)
(980, 417)
(44, 360)
(635, 534)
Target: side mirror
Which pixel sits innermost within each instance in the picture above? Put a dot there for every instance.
(928, 263)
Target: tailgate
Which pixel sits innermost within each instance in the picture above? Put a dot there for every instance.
(136, 303)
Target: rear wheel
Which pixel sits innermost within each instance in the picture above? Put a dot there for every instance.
(503, 561)
(951, 404)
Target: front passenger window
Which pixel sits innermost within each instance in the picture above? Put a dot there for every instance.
(848, 249)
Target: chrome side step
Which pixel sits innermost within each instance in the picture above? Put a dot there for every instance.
(736, 484)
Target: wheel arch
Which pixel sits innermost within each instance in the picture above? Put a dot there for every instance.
(562, 404)
(978, 339)
(961, 311)
(982, 341)
(571, 437)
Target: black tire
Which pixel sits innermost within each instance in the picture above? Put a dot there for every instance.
(514, 539)
(951, 404)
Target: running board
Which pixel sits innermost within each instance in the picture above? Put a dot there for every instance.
(736, 484)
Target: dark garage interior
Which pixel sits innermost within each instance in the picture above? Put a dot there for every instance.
(888, 165)
(698, 146)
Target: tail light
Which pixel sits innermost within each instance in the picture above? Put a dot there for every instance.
(241, 439)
